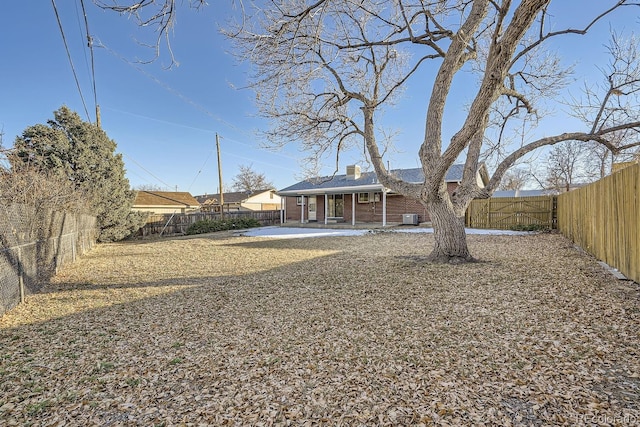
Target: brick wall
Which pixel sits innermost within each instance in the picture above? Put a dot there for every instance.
(397, 205)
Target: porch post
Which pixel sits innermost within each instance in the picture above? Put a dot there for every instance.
(326, 208)
(384, 208)
(353, 209)
(302, 211)
(283, 210)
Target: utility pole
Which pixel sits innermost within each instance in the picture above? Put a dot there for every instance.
(98, 120)
(220, 175)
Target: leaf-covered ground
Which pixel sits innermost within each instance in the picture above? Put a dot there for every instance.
(224, 330)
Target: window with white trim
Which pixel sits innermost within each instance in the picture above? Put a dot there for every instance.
(363, 197)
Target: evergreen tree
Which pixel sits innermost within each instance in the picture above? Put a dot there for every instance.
(82, 153)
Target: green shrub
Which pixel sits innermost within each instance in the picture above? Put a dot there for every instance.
(529, 227)
(210, 225)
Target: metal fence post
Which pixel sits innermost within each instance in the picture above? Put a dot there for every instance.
(20, 275)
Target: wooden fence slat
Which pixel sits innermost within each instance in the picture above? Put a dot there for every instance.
(604, 219)
(505, 213)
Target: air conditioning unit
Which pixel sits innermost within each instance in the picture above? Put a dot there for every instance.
(409, 219)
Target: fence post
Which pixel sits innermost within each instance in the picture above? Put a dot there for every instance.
(488, 223)
(73, 249)
(20, 276)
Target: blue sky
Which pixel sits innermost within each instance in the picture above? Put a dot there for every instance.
(165, 121)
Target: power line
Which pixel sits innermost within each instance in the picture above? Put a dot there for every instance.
(81, 32)
(143, 168)
(93, 66)
(73, 68)
(169, 88)
(235, 141)
(199, 171)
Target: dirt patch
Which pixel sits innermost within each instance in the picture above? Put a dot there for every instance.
(222, 330)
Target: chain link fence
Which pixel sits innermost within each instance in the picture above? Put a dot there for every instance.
(35, 243)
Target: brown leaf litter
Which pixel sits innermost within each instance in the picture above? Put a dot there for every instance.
(224, 330)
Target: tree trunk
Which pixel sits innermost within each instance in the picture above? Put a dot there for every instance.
(450, 237)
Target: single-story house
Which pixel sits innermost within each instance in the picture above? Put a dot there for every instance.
(524, 193)
(165, 202)
(259, 200)
(359, 197)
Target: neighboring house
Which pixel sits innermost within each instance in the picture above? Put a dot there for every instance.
(359, 197)
(165, 202)
(524, 193)
(259, 200)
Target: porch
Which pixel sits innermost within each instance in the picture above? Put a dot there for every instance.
(359, 225)
(352, 210)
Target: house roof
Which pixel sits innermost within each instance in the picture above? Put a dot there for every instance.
(165, 198)
(523, 193)
(368, 181)
(232, 197)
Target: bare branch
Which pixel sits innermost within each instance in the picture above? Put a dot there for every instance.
(600, 137)
(580, 31)
(159, 15)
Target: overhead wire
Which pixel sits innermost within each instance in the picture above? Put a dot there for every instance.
(168, 88)
(81, 31)
(200, 170)
(144, 169)
(143, 178)
(235, 141)
(198, 106)
(93, 63)
(73, 68)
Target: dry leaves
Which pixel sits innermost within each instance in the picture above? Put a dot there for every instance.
(223, 330)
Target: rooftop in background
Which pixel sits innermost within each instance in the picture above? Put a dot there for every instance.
(165, 198)
(524, 193)
(232, 197)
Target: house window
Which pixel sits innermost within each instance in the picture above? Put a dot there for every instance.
(363, 197)
(299, 200)
(376, 197)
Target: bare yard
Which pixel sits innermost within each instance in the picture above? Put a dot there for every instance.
(224, 330)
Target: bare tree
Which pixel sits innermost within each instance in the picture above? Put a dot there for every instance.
(567, 165)
(515, 179)
(249, 180)
(41, 191)
(611, 102)
(324, 72)
(150, 187)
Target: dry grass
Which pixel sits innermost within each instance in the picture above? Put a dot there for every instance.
(222, 330)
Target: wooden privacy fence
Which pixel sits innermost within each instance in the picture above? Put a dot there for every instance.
(604, 219)
(506, 213)
(167, 224)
